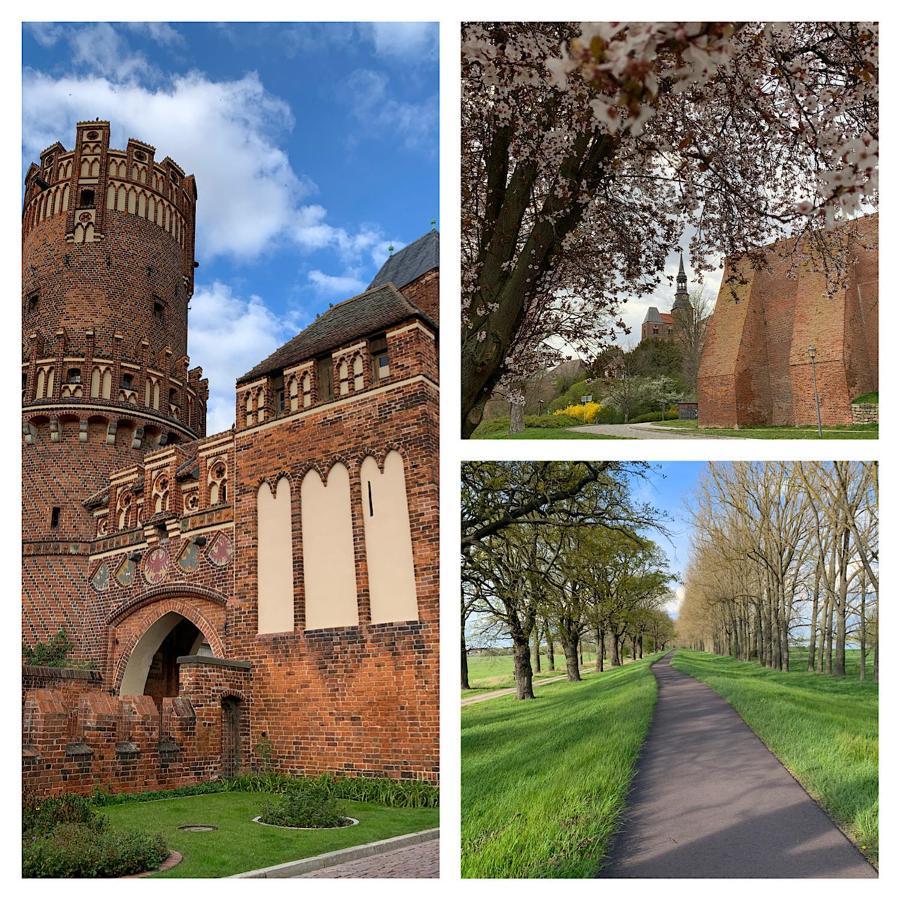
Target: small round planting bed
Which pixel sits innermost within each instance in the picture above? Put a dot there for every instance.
(170, 862)
(198, 827)
(347, 823)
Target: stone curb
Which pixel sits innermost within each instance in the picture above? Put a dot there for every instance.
(336, 857)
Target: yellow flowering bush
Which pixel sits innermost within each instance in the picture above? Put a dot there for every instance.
(586, 412)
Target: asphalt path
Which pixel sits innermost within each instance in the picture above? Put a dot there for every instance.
(711, 801)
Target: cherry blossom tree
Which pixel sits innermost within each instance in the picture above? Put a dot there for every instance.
(589, 150)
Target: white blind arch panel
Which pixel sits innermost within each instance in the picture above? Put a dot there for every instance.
(275, 566)
(329, 566)
(389, 553)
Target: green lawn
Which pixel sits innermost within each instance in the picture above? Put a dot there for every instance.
(544, 781)
(543, 434)
(823, 729)
(841, 432)
(240, 844)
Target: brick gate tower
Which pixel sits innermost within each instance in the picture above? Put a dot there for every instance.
(107, 273)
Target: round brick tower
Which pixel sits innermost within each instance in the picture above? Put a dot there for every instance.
(107, 274)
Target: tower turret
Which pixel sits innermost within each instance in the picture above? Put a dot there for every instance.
(107, 273)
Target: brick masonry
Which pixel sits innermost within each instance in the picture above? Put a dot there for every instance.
(152, 558)
(756, 369)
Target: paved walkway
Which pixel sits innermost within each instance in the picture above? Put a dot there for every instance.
(710, 801)
(648, 432)
(502, 692)
(420, 861)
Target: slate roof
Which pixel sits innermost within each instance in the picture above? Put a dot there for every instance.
(368, 313)
(408, 264)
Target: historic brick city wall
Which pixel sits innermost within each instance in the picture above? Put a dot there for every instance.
(756, 367)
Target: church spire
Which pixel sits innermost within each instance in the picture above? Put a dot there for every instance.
(681, 292)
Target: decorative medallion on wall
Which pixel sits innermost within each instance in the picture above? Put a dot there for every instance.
(100, 578)
(189, 558)
(126, 572)
(156, 564)
(192, 501)
(85, 217)
(102, 526)
(92, 135)
(219, 552)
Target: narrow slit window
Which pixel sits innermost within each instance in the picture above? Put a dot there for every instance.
(54, 517)
(371, 507)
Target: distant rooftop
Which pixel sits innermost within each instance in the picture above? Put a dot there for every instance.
(412, 261)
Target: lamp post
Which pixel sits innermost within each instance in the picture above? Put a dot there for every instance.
(811, 350)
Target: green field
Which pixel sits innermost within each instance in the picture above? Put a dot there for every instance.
(494, 672)
(240, 845)
(806, 432)
(823, 729)
(544, 781)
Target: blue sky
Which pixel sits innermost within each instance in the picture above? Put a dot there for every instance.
(315, 148)
(671, 488)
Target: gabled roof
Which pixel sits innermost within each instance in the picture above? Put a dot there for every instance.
(375, 310)
(411, 262)
(655, 317)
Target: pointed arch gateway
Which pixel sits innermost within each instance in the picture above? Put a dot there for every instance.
(152, 667)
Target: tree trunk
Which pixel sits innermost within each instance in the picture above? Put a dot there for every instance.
(551, 657)
(537, 651)
(570, 649)
(522, 662)
(516, 418)
(598, 663)
(464, 662)
(862, 628)
(616, 659)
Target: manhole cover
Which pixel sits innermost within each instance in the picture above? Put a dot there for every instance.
(197, 828)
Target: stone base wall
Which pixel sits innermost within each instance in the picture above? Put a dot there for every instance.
(864, 413)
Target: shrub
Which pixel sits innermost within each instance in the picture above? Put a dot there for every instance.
(305, 804)
(53, 653)
(585, 413)
(80, 850)
(671, 413)
(556, 420)
(608, 415)
(41, 815)
(383, 791)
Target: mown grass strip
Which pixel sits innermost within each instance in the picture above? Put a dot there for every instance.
(544, 781)
(823, 729)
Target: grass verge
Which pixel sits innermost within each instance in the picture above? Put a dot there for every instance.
(544, 781)
(823, 729)
(542, 434)
(805, 432)
(239, 844)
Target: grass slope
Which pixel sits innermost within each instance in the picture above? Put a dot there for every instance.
(823, 729)
(544, 781)
(240, 844)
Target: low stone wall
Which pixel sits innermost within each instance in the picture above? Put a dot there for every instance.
(864, 413)
(78, 742)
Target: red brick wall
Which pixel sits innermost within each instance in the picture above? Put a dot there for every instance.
(424, 292)
(756, 368)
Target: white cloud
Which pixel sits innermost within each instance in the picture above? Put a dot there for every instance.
(226, 133)
(228, 336)
(161, 32)
(408, 41)
(366, 93)
(339, 287)
(674, 603)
